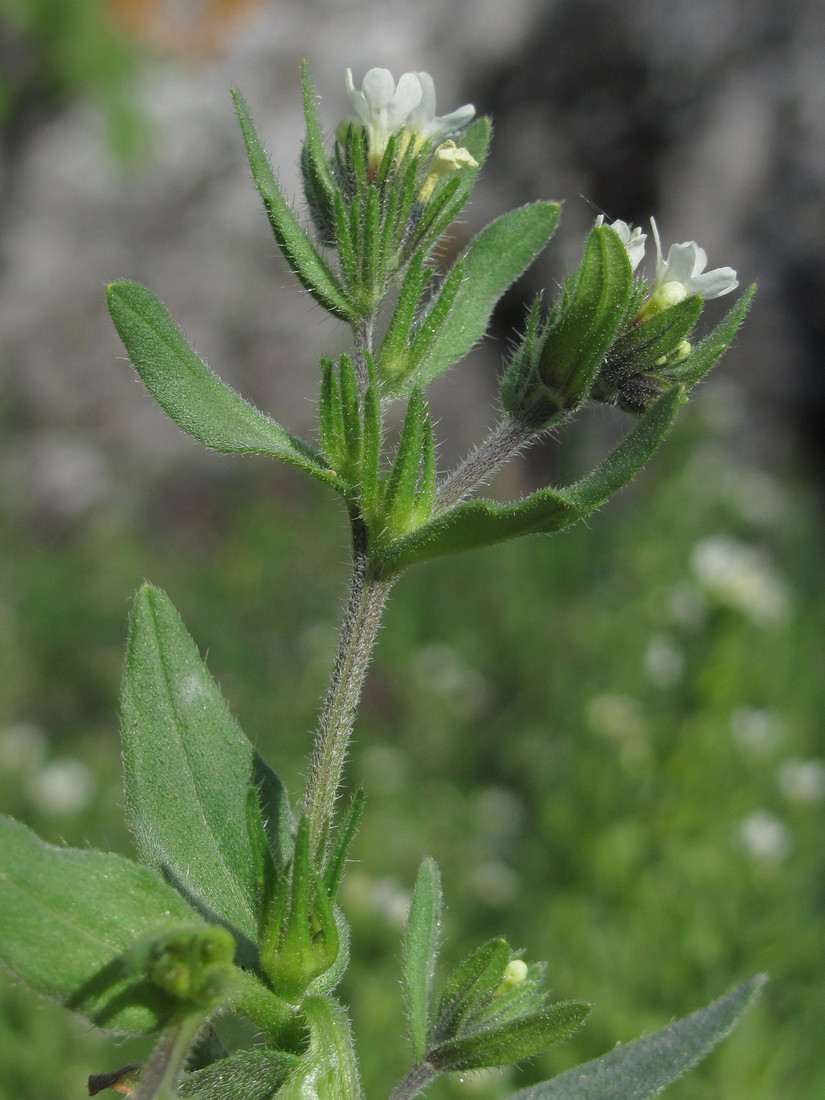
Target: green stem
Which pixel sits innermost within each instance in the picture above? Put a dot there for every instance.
(415, 1082)
(277, 1020)
(159, 1080)
(505, 441)
(361, 621)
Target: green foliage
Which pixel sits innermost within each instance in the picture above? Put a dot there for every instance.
(69, 920)
(308, 265)
(421, 943)
(188, 769)
(644, 1068)
(480, 523)
(236, 912)
(191, 394)
(492, 261)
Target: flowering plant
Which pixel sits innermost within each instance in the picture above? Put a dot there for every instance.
(231, 905)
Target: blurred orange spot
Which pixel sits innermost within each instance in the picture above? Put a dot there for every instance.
(194, 28)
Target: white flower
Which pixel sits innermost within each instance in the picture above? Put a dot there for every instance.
(631, 237)
(385, 108)
(683, 274)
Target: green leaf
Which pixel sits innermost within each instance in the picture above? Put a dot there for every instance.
(310, 268)
(712, 348)
(251, 1074)
(520, 1038)
(492, 262)
(191, 394)
(482, 523)
(188, 769)
(644, 1068)
(421, 952)
(69, 917)
(629, 456)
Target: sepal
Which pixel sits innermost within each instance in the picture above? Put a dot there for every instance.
(310, 268)
(319, 185)
(298, 938)
(584, 323)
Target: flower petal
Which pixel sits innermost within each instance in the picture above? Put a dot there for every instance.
(713, 284)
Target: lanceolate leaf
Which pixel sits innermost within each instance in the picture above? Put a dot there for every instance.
(712, 348)
(520, 1038)
(482, 523)
(192, 395)
(310, 268)
(188, 769)
(492, 262)
(66, 919)
(646, 1067)
(251, 1074)
(421, 952)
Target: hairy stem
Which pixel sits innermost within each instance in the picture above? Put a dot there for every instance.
(367, 597)
(162, 1072)
(415, 1082)
(502, 444)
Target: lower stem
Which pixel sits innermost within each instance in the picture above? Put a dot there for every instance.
(367, 597)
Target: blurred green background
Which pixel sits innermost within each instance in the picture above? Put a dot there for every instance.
(611, 740)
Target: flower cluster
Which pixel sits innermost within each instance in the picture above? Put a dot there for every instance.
(385, 108)
(679, 276)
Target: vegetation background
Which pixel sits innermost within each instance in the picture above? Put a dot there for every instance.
(611, 740)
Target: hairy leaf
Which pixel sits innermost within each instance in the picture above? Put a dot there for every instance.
(492, 262)
(644, 1068)
(68, 918)
(188, 769)
(311, 269)
(191, 394)
(421, 952)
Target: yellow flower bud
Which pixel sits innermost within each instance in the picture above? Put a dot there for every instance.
(448, 157)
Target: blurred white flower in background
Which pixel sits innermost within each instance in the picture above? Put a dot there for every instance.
(763, 837)
(22, 748)
(738, 576)
(802, 780)
(664, 661)
(755, 730)
(64, 786)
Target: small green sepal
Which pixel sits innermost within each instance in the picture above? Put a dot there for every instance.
(299, 935)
